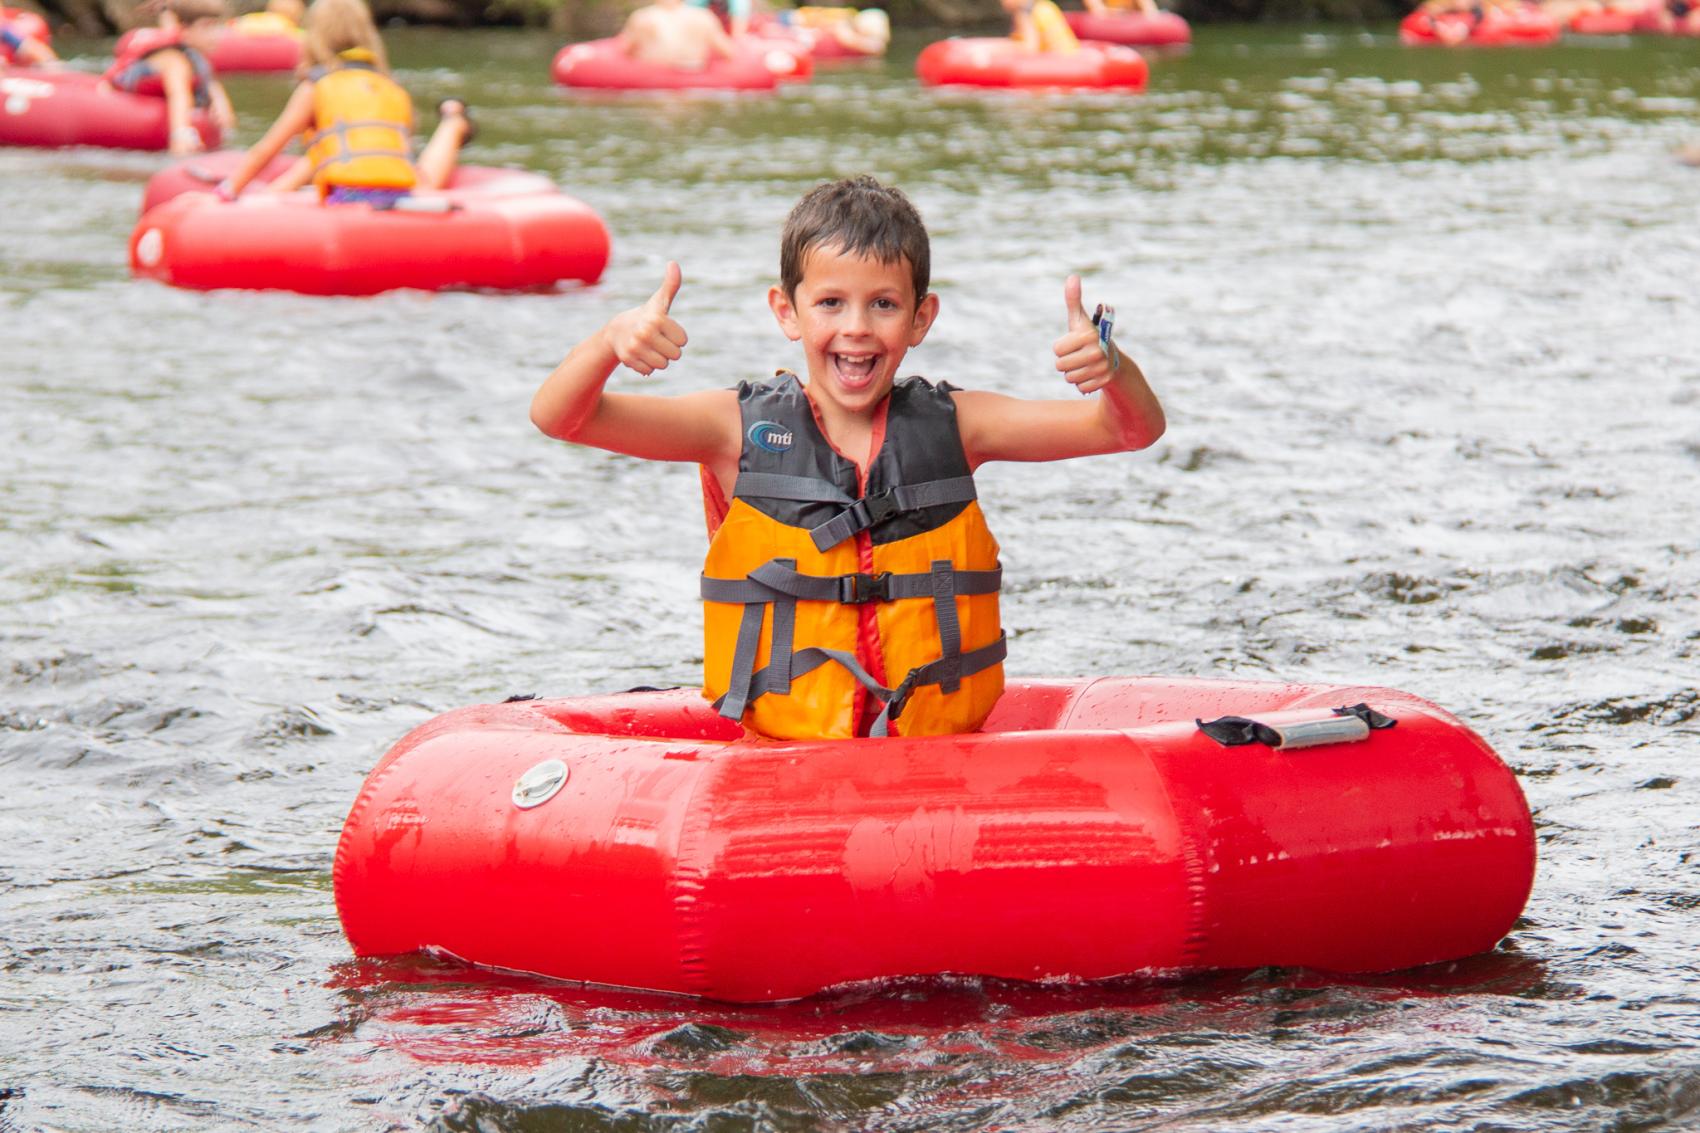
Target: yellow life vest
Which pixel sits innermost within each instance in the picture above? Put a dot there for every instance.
(815, 584)
(362, 127)
(815, 16)
(1054, 32)
(264, 23)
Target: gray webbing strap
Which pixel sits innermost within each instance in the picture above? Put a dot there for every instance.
(775, 486)
(779, 654)
(767, 583)
(950, 630)
(808, 660)
(738, 693)
(966, 665)
(870, 510)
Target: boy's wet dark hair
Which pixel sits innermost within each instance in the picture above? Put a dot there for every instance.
(861, 217)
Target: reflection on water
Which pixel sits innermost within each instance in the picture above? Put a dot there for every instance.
(1423, 323)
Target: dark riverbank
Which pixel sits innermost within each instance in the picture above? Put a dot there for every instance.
(593, 17)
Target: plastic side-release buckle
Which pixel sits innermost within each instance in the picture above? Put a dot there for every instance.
(876, 509)
(858, 589)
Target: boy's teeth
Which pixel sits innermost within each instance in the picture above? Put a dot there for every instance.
(856, 365)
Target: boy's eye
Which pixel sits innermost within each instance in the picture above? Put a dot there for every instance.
(826, 302)
(885, 304)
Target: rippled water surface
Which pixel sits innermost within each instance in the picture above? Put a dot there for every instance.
(1425, 326)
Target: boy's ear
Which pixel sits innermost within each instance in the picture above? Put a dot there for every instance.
(925, 312)
(785, 311)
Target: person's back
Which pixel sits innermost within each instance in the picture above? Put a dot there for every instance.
(362, 127)
(356, 119)
(1039, 25)
(669, 34)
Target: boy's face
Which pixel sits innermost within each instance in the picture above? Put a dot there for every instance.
(856, 318)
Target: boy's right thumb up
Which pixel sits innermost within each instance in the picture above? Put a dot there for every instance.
(1078, 319)
(662, 300)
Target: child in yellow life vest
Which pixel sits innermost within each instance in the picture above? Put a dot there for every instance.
(280, 17)
(1039, 25)
(357, 121)
(1115, 7)
(851, 582)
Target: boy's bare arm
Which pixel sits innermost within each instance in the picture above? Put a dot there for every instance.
(1126, 416)
(572, 406)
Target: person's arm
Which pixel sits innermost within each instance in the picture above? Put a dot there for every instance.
(32, 50)
(296, 117)
(292, 178)
(572, 406)
(1023, 30)
(633, 33)
(719, 43)
(738, 15)
(1097, 7)
(223, 113)
(1127, 415)
(177, 76)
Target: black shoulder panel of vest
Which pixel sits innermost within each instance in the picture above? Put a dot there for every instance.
(922, 444)
(782, 438)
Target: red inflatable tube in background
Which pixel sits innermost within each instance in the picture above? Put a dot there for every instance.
(235, 52)
(601, 64)
(501, 229)
(54, 109)
(1091, 830)
(203, 172)
(984, 62)
(1528, 27)
(28, 25)
(1131, 29)
(1611, 21)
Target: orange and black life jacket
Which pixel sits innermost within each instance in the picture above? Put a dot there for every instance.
(817, 585)
(362, 127)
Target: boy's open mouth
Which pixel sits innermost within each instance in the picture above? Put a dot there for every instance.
(854, 369)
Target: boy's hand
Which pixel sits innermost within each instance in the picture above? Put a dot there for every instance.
(1082, 362)
(646, 338)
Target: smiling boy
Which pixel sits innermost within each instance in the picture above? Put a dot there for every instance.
(851, 581)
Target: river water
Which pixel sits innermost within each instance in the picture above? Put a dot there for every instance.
(1425, 328)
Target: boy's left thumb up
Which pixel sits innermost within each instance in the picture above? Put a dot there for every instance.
(1077, 316)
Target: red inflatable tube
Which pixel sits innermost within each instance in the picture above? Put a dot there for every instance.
(1657, 19)
(824, 47)
(491, 229)
(237, 52)
(242, 52)
(1611, 21)
(22, 23)
(1527, 27)
(817, 41)
(600, 65)
(1132, 29)
(53, 109)
(1091, 830)
(203, 172)
(1000, 63)
(776, 44)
